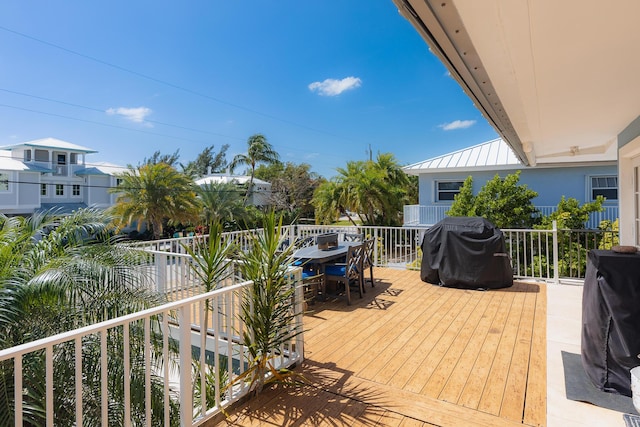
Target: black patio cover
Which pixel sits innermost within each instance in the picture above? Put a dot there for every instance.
(465, 252)
(610, 341)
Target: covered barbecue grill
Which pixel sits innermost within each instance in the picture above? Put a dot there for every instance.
(465, 252)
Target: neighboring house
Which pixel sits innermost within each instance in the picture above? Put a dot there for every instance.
(440, 179)
(51, 173)
(259, 196)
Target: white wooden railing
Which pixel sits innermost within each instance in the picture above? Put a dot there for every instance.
(536, 254)
(421, 215)
(179, 322)
(550, 255)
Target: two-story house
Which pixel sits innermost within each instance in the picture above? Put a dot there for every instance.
(51, 173)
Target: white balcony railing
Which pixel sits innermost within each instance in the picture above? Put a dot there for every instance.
(163, 344)
(420, 215)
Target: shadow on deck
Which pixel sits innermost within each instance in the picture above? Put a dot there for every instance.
(414, 354)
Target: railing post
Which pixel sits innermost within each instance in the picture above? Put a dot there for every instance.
(161, 272)
(375, 246)
(556, 249)
(186, 403)
(299, 310)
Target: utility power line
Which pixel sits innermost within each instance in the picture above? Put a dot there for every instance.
(169, 84)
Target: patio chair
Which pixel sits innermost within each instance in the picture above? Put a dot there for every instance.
(367, 260)
(304, 242)
(353, 237)
(312, 281)
(348, 273)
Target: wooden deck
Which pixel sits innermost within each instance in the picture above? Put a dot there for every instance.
(414, 354)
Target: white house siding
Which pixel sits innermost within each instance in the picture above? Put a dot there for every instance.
(98, 190)
(629, 183)
(9, 198)
(29, 190)
(22, 196)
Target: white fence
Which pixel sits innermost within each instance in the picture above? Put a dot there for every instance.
(549, 255)
(420, 215)
(535, 254)
(165, 350)
(115, 370)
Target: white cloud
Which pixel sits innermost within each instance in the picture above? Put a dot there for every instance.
(333, 87)
(136, 115)
(457, 124)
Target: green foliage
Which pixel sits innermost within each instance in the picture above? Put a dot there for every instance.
(211, 258)
(267, 309)
(464, 202)
(611, 236)
(504, 202)
(221, 202)
(570, 215)
(413, 190)
(376, 191)
(212, 376)
(292, 188)
(154, 192)
(58, 273)
(207, 160)
(259, 150)
(158, 157)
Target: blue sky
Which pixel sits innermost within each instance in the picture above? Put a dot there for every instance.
(322, 81)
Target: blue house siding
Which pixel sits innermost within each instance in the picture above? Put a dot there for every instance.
(550, 184)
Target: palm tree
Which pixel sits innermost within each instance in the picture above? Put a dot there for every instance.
(259, 151)
(329, 201)
(155, 193)
(58, 273)
(221, 202)
(375, 190)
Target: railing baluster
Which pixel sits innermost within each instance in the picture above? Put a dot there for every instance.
(49, 385)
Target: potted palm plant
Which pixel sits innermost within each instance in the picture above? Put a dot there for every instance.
(268, 310)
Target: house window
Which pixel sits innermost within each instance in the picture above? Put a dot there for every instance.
(59, 190)
(43, 189)
(4, 181)
(76, 190)
(73, 158)
(447, 190)
(118, 182)
(27, 155)
(62, 159)
(606, 186)
(42, 155)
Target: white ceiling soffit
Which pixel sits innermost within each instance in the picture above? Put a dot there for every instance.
(559, 80)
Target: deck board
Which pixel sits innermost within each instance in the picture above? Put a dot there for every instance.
(413, 354)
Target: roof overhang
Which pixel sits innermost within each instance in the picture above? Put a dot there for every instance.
(557, 80)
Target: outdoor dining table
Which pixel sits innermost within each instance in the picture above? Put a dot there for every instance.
(320, 257)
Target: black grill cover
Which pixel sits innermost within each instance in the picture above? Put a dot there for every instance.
(465, 252)
(611, 319)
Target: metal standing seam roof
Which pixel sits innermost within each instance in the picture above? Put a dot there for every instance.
(10, 164)
(495, 154)
(51, 143)
(102, 169)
